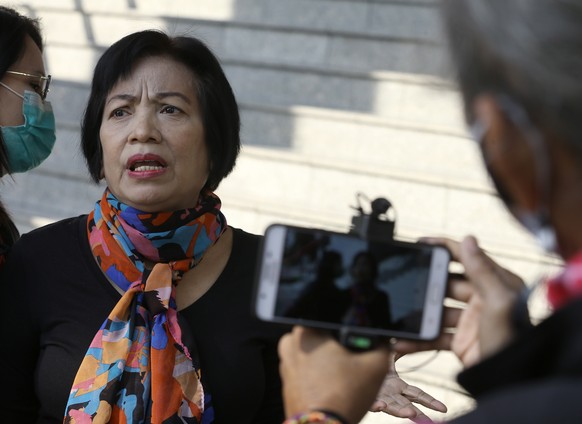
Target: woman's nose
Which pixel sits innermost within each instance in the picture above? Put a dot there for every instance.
(144, 128)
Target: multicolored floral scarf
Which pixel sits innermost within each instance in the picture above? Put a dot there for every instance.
(568, 284)
(137, 369)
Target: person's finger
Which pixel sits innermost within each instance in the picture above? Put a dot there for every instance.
(498, 291)
(451, 317)
(460, 290)
(399, 406)
(284, 343)
(469, 253)
(488, 277)
(401, 411)
(458, 287)
(421, 418)
(416, 395)
(452, 245)
(392, 407)
(303, 336)
(310, 338)
(450, 320)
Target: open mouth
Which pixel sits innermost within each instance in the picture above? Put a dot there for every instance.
(146, 165)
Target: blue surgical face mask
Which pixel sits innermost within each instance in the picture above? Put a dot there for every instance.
(537, 222)
(28, 145)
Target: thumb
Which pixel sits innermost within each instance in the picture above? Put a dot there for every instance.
(480, 268)
(498, 290)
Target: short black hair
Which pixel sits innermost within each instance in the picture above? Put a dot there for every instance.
(218, 106)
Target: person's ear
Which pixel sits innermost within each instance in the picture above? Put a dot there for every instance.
(508, 153)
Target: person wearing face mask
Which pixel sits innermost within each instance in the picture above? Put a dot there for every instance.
(518, 66)
(27, 123)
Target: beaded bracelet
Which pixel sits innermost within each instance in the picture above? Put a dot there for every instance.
(316, 417)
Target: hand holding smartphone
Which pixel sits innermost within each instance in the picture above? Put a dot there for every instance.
(360, 289)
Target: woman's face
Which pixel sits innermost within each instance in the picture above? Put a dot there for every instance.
(30, 63)
(154, 154)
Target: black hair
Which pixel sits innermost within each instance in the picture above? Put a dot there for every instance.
(14, 27)
(528, 50)
(218, 106)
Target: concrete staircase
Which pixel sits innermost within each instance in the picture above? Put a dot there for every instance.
(337, 97)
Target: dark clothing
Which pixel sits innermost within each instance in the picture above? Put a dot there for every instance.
(8, 233)
(56, 298)
(537, 379)
(320, 301)
(369, 307)
(326, 303)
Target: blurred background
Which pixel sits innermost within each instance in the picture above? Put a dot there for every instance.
(338, 97)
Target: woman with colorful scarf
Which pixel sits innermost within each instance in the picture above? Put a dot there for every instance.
(140, 311)
(519, 67)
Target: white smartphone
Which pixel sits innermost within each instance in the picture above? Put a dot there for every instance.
(358, 287)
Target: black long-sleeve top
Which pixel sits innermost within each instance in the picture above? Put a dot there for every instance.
(55, 298)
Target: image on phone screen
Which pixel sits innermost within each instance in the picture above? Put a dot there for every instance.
(336, 280)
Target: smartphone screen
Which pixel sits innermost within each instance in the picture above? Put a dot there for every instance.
(334, 280)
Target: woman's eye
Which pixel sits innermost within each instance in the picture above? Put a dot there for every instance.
(118, 113)
(36, 88)
(170, 109)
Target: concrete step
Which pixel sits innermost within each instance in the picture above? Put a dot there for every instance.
(410, 100)
(362, 143)
(285, 186)
(398, 19)
(264, 43)
(415, 102)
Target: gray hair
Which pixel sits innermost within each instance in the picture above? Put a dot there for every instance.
(530, 50)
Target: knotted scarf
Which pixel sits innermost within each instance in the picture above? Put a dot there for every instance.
(568, 284)
(137, 368)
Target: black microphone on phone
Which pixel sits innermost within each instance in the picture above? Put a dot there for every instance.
(379, 223)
